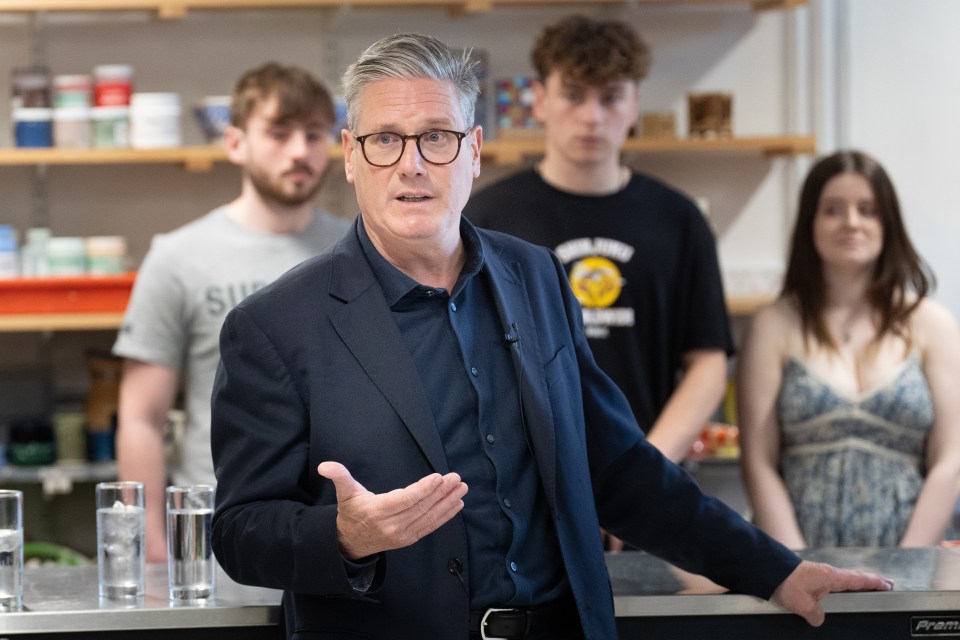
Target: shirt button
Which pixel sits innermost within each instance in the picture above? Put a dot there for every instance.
(506, 501)
(490, 438)
(513, 567)
(474, 371)
(453, 306)
(454, 566)
(430, 293)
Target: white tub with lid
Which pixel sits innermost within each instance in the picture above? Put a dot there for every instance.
(106, 254)
(155, 120)
(66, 256)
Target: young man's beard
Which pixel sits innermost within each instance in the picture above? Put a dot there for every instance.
(269, 190)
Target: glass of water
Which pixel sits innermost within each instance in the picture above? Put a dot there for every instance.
(121, 538)
(11, 550)
(190, 563)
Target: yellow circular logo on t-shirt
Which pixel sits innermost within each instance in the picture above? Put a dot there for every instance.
(596, 281)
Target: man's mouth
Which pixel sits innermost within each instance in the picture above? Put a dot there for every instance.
(413, 198)
(300, 172)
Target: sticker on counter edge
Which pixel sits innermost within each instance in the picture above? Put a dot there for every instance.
(930, 626)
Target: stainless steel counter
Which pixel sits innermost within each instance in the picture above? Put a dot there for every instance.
(652, 599)
(64, 600)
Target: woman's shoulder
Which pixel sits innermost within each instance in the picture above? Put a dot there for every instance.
(776, 326)
(780, 315)
(931, 321)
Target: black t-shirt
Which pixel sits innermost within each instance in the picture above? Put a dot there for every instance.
(643, 264)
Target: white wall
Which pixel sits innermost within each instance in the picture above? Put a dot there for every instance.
(901, 62)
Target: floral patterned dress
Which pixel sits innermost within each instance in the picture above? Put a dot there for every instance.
(853, 465)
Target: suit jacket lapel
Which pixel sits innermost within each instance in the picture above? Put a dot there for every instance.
(367, 328)
(513, 303)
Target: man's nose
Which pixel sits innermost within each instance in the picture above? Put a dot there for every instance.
(411, 162)
(591, 110)
(297, 144)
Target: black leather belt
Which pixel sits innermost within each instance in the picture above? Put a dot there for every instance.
(512, 624)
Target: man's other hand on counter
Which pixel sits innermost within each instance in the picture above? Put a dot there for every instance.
(803, 589)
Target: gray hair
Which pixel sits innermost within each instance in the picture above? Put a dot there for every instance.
(408, 56)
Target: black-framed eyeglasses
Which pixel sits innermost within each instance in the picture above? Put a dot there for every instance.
(436, 146)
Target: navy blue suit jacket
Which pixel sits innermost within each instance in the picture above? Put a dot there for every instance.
(313, 368)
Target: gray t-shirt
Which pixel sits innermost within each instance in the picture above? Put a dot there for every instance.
(189, 280)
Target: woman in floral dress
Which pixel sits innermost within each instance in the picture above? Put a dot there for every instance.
(847, 383)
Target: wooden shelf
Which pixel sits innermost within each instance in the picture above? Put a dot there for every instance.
(23, 322)
(506, 151)
(512, 151)
(180, 8)
(199, 158)
(789, 145)
(10, 323)
(742, 305)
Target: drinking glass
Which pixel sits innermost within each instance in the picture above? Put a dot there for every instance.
(121, 537)
(11, 550)
(190, 562)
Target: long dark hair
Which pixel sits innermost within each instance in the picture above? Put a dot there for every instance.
(899, 267)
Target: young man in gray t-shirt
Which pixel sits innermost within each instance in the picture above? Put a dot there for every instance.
(191, 277)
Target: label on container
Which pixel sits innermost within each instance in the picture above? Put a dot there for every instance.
(66, 256)
(104, 265)
(111, 127)
(31, 88)
(112, 94)
(33, 127)
(72, 91)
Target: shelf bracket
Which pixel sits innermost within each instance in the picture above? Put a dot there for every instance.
(198, 165)
(172, 11)
(777, 5)
(470, 7)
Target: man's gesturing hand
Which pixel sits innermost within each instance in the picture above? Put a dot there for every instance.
(803, 589)
(369, 523)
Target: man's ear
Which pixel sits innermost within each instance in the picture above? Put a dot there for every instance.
(539, 95)
(475, 146)
(349, 147)
(235, 144)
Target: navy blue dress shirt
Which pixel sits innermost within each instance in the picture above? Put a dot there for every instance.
(463, 355)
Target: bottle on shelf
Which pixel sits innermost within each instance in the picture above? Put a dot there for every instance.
(33, 254)
(9, 262)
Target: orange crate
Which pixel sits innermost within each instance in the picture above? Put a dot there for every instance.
(67, 294)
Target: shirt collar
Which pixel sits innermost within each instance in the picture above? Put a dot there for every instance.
(396, 284)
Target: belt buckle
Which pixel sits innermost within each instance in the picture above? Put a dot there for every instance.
(483, 622)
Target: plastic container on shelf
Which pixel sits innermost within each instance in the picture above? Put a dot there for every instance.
(33, 254)
(155, 120)
(101, 406)
(110, 127)
(213, 116)
(32, 442)
(69, 431)
(30, 88)
(112, 85)
(9, 262)
(106, 255)
(33, 126)
(66, 256)
(71, 127)
(72, 90)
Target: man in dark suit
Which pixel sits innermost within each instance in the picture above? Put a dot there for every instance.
(360, 395)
